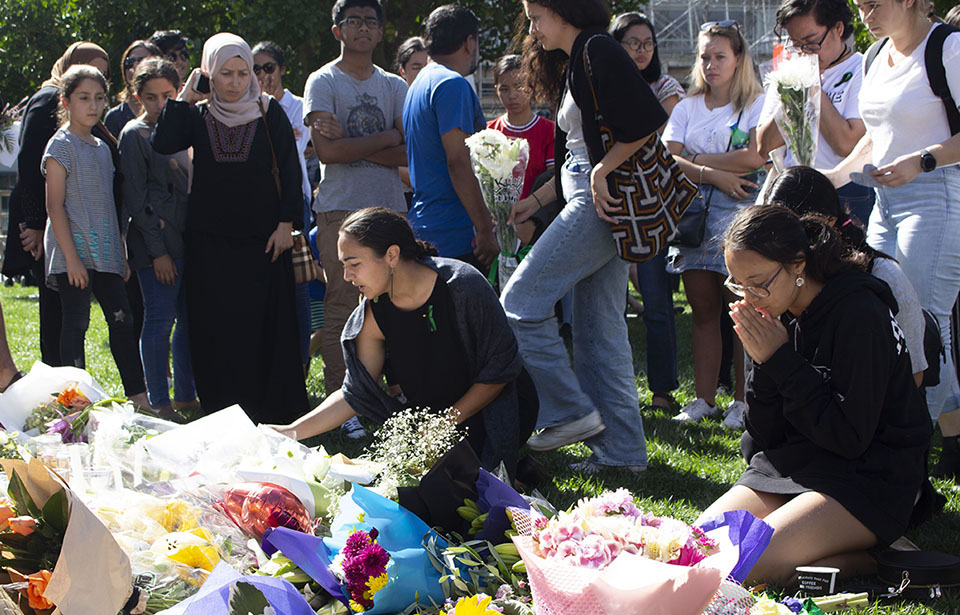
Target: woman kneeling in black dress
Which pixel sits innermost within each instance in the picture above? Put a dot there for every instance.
(446, 336)
(837, 433)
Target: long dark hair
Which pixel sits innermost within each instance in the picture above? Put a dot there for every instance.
(778, 234)
(808, 192)
(406, 50)
(619, 28)
(545, 69)
(152, 49)
(378, 229)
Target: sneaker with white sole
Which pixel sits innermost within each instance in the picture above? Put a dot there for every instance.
(589, 466)
(733, 417)
(354, 430)
(559, 435)
(695, 410)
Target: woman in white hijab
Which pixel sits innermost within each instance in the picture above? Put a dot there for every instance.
(244, 200)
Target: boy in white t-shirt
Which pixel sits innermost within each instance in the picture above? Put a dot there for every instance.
(824, 27)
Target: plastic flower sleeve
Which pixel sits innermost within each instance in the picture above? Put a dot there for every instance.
(796, 85)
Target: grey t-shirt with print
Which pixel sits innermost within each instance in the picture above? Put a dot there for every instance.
(364, 108)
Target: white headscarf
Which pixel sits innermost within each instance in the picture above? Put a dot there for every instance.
(216, 51)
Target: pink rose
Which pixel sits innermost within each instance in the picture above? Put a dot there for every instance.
(595, 552)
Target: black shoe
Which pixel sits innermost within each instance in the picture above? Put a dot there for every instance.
(948, 467)
(531, 473)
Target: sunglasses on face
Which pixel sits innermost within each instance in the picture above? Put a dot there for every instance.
(267, 67)
(131, 62)
(726, 23)
(371, 23)
(173, 56)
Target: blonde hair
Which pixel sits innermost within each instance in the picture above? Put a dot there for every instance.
(746, 85)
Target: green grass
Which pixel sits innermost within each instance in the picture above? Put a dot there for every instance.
(690, 464)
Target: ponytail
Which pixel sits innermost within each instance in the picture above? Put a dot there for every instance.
(378, 229)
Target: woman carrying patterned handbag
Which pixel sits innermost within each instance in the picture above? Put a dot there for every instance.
(238, 273)
(597, 397)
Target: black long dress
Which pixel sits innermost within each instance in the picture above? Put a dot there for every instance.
(243, 322)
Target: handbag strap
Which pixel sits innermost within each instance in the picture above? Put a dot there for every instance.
(706, 204)
(273, 152)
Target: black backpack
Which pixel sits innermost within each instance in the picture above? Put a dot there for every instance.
(936, 73)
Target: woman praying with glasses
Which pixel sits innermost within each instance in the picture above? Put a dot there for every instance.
(129, 107)
(823, 28)
(837, 433)
(710, 133)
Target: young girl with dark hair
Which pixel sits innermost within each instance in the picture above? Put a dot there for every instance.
(129, 108)
(809, 192)
(441, 325)
(83, 241)
(635, 32)
(596, 398)
(411, 58)
(155, 192)
(837, 433)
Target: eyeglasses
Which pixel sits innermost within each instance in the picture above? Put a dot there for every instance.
(131, 62)
(372, 23)
(174, 55)
(726, 23)
(636, 44)
(761, 292)
(811, 47)
(268, 67)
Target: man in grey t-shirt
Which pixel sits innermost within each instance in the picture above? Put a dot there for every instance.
(355, 113)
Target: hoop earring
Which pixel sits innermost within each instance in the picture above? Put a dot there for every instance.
(800, 281)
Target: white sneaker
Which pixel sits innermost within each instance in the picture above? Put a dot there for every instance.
(559, 435)
(354, 430)
(589, 466)
(733, 417)
(695, 410)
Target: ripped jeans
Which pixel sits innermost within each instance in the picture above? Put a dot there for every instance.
(111, 294)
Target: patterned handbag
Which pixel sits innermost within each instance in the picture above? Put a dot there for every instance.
(304, 266)
(654, 191)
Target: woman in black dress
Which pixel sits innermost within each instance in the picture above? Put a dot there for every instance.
(837, 432)
(447, 337)
(239, 276)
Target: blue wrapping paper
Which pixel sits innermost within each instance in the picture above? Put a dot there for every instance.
(750, 534)
(401, 533)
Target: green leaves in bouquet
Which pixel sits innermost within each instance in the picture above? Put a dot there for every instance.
(56, 512)
(245, 599)
(21, 497)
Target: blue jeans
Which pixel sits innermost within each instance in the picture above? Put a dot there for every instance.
(162, 305)
(655, 287)
(858, 200)
(919, 225)
(577, 251)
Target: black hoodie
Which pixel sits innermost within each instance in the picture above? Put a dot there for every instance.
(836, 410)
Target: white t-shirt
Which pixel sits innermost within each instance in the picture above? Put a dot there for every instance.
(293, 106)
(901, 112)
(841, 83)
(910, 316)
(570, 122)
(707, 131)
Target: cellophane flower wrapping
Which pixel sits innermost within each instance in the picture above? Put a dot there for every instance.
(796, 83)
(592, 570)
(500, 164)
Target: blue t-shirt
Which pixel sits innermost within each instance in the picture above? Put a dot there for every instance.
(438, 101)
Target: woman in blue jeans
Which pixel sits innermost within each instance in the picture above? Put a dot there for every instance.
(155, 194)
(596, 399)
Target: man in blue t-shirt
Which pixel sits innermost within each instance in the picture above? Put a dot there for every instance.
(440, 112)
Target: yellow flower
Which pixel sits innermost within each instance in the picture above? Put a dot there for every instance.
(766, 606)
(375, 584)
(193, 548)
(356, 608)
(474, 606)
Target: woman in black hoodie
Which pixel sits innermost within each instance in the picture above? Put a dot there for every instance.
(837, 433)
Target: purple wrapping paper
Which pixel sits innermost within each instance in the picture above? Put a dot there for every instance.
(214, 596)
(750, 534)
(495, 497)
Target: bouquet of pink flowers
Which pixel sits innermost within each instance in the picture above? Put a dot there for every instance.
(598, 529)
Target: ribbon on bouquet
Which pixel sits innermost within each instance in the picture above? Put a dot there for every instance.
(495, 265)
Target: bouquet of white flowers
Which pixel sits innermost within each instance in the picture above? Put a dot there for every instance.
(500, 164)
(796, 83)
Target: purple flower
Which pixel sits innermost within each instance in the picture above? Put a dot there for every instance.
(793, 604)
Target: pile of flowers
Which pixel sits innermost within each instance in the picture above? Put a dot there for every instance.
(362, 565)
(597, 530)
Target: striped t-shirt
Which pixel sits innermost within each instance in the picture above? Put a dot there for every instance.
(88, 202)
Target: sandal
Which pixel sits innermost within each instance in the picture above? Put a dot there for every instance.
(666, 402)
(16, 377)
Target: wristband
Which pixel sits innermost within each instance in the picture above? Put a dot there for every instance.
(694, 159)
(700, 179)
(537, 199)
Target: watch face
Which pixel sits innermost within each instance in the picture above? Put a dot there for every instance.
(927, 162)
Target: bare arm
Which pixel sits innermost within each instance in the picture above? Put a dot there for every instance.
(861, 155)
(468, 191)
(905, 169)
(394, 156)
(56, 191)
(615, 156)
(744, 160)
(348, 149)
(727, 181)
(477, 397)
(841, 134)
(768, 138)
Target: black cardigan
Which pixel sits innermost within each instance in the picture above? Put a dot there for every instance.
(625, 102)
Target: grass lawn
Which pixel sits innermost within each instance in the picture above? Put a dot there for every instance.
(690, 464)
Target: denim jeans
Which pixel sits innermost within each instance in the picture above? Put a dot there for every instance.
(111, 294)
(919, 225)
(655, 288)
(162, 305)
(577, 251)
(858, 200)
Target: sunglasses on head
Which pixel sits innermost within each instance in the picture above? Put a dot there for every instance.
(726, 23)
(267, 67)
